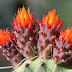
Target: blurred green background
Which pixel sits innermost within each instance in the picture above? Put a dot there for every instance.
(8, 8)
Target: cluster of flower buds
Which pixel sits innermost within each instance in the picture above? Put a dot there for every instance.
(23, 38)
(49, 28)
(24, 27)
(7, 47)
(63, 48)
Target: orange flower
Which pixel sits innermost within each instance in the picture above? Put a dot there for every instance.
(67, 35)
(23, 17)
(4, 36)
(51, 19)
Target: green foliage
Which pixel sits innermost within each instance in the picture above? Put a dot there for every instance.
(43, 65)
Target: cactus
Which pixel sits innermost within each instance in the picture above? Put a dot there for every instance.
(7, 47)
(49, 28)
(63, 49)
(50, 51)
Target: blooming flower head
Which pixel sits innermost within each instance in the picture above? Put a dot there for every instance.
(23, 17)
(51, 19)
(4, 36)
(67, 35)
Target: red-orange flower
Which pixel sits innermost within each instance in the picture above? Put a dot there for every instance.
(51, 19)
(23, 17)
(67, 35)
(4, 36)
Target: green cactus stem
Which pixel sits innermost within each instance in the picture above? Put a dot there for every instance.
(43, 65)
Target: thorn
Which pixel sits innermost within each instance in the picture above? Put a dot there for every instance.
(41, 33)
(28, 29)
(67, 40)
(13, 59)
(27, 65)
(12, 44)
(56, 56)
(20, 41)
(15, 42)
(6, 59)
(42, 25)
(54, 37)
(70, 52)
(54, 47)
(69, 45)
(7, 49)
(36, 31)
(16, 30)
(69, 55)
(63, 54)
(7, 41)
(62, 39)
(37, 39)
(31, 38)
(18, 54)
(14, 37)
(12, 31)
(60, 25)
(30, 22)
(50, 30)
(45, 40)
(63, 61)
(12, 51)
(7, 55)
(35, 23)
(11, 64)
(2, 53)
(12, 25)
(62, 48)
(23, 36)
(2, 45)
(42, 63)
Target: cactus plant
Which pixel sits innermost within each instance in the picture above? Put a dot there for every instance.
(47, 52)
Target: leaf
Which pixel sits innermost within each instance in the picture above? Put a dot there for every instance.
(43, 65)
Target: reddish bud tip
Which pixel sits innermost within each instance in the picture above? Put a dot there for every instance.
(12, 25)
(62, 40)
(12, 51)
(69, 45)
(60, 25)
(18, 54)
(55, 56)
(7, 49)
(63, 61)
(11, 64)
(28, 29)
(6, 59)
(31, 38)
(63, 54)
(50, 30)
(37, 30)
(37, 39)
(41, 33)
(70, 52)
(45, 40)
(12, 44)
(62, 48)
(23, 36)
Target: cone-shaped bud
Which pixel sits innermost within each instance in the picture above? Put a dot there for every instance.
(64, 48)
(48, 28)
(7, 47)
(67, 35)
(24, 26)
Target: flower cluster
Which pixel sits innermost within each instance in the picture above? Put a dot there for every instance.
(24, 38)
